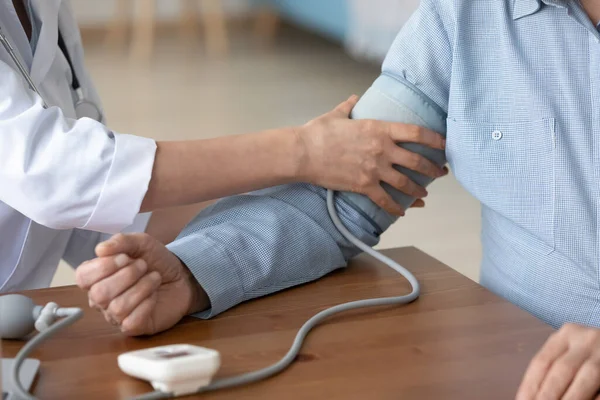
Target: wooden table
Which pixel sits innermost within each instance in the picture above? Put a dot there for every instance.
(458, 341)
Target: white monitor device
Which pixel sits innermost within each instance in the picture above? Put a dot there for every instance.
(179, 369)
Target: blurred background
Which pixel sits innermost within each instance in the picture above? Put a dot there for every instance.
(190, 69)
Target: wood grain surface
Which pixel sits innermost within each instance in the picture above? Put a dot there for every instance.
(457, 341)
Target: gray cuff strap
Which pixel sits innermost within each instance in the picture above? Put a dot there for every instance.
(396, 100)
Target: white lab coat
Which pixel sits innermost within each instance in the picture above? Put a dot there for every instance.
(62, 181)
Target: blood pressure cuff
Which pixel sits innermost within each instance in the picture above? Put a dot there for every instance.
(394, 99)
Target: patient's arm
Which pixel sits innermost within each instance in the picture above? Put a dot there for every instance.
(248, 246)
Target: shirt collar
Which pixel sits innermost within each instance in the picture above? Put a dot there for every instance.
(523, 8)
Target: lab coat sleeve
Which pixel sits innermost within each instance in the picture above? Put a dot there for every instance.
(82, 243)
(65, 173)
(249, 246)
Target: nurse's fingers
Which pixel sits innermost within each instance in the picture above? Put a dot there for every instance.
(384, 200)
(103, 292)
(91, 272)
(121, 306)
(419, 203)
(415, 162)
(403, 183)
(345, 108)
(405, 133)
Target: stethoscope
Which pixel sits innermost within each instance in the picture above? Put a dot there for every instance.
(83, 108)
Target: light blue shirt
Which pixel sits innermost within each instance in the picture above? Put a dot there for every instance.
(519, 81)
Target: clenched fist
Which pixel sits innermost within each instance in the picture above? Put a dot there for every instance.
(139, 285)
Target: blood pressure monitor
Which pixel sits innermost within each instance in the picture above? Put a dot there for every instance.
(184, 369)
(178, 369)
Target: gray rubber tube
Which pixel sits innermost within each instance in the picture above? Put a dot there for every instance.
(379, 102)
(31, 345)
(283, 363)
(388, 99)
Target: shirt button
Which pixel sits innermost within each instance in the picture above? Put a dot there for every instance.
(496, 135)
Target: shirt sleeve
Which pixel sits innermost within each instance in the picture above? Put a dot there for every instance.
(65, 173)
(421, 55)
(249, 246)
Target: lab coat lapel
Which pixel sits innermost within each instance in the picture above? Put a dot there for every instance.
(14, 32)
(47, 11)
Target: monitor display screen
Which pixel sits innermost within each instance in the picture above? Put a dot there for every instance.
(171, 354)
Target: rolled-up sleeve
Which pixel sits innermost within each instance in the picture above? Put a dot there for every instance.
(249, 246)
(126, 184)
(65, 173)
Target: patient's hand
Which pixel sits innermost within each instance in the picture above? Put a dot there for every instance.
(139, 285)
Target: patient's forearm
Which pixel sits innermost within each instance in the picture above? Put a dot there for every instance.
(252, 245)
(195, 171)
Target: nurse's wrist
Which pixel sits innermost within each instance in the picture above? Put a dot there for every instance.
(299, 155)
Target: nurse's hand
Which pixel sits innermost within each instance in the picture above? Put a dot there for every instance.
(139, 285)
(567, 367)
(357, 155)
